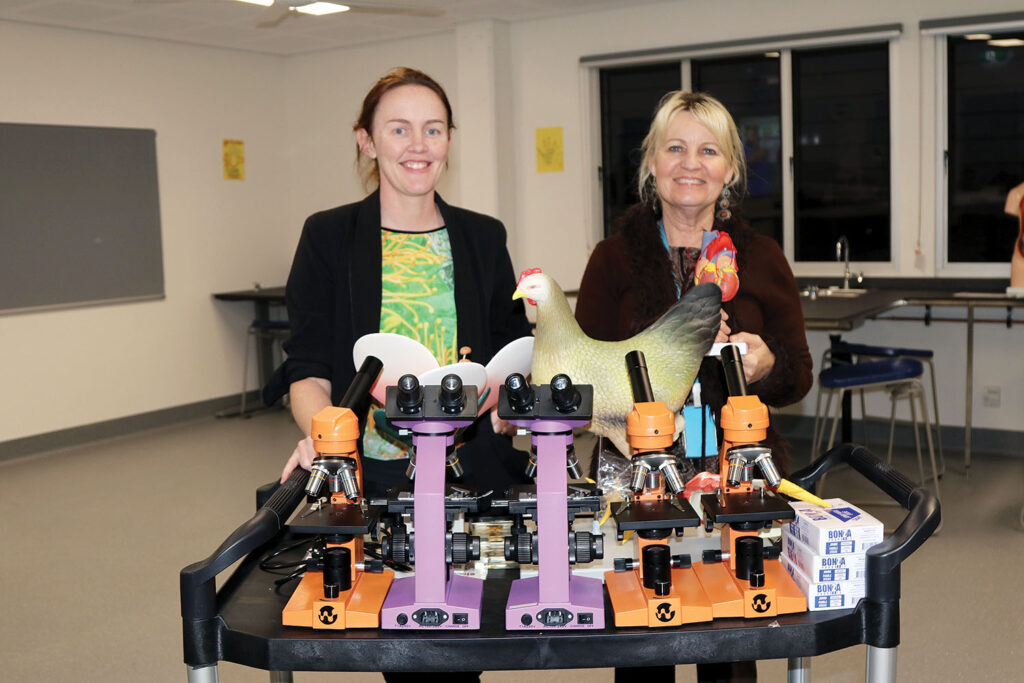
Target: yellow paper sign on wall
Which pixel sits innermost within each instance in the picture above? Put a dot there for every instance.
(234, 160)
(550, 150)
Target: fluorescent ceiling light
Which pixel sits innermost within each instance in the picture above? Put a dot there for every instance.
(771, 54)
(1006, 42)
(978, 36)
(320, 8)
(265, 3)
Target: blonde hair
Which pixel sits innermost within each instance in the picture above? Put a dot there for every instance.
(714, 116)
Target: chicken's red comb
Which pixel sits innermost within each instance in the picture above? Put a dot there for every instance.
(522, 276)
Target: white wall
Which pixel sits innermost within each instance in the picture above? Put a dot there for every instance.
(73, 367)
(295, 115)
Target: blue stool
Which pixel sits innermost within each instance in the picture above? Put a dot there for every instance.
(867, 351)
(900, 376)
(277, 330)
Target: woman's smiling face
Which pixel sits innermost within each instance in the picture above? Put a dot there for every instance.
(689, 166)
(409, 140)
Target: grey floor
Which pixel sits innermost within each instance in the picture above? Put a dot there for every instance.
(93, 539)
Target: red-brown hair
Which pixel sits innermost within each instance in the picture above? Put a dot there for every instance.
(395, 78)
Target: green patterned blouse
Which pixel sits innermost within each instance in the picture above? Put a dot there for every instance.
(417, 301)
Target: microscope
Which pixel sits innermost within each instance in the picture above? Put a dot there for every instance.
(555, 598)
(435, 597)
(654, 588)
(340, 590)
(745, 578)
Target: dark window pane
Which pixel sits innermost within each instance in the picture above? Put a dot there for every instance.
(749, 89)
(629, 97)
(986, 145)
(841, 152)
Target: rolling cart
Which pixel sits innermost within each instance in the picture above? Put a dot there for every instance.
(241, 622)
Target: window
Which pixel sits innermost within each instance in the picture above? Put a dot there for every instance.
(749, 89)
(815, 125)
(985, 144)
(629, 97)
(841, 152)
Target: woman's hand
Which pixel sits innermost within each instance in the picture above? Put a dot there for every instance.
(501, 426)
(723, 329)
(759, 360)
(302, 457)
(1013, 200)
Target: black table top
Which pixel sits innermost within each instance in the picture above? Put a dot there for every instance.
(270, 294)
(251, 634)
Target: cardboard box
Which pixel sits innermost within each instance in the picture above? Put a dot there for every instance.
(825, 595)
(823, 568)
(841, 529)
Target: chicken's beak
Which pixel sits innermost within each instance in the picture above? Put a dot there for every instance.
(520, 294)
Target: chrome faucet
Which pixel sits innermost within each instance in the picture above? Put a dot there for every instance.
(843, 249)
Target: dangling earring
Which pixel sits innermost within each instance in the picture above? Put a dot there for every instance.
(723, 205)
(652, 182)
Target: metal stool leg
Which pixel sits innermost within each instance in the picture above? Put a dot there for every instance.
(799, 670)
(881, 665)
(912, 394)
(245, 370)
(892, 423)
(931, 449)
(203, 674)
(281, 677)
(938, 422)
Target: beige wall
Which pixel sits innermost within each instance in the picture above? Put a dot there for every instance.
(68, 368)
(76, 367)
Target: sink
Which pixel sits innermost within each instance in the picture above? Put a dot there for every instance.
(834, 292)
(848, 293)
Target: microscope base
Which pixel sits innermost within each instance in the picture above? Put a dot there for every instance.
(733, 597)
(636, 605)
(358, 607)
(584, 608)
(460, 609)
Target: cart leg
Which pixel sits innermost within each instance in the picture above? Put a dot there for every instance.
(881, 665)
(280, 677)
(799, 670)
(202, 674)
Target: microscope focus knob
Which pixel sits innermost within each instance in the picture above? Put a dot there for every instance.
(588, 547)
(398, 545)
(451, 397)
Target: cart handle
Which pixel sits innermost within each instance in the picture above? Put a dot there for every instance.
(884, 559)
(198, 591)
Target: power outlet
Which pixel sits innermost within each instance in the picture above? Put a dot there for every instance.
(992, 397)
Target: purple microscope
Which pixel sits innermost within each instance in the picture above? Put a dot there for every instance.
(555, 598)
(434, 597)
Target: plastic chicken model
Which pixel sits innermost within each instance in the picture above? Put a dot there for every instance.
(674, 346)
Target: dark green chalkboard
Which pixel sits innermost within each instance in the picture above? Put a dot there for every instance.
(79, 216)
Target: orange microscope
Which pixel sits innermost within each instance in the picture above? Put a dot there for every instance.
(340, 590)
(745, 578)
(656, 589)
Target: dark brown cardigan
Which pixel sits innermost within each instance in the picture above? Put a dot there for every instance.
(628, 284)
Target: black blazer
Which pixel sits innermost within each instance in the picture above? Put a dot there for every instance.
(334, 295)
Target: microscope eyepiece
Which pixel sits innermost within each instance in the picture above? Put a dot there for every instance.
(452, 398)
(520, 393)
(410, 394)
(564, 395)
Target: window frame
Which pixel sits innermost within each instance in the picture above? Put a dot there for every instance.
(939, 31)
(889, 34)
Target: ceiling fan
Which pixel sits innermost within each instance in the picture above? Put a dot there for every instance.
(278, 10)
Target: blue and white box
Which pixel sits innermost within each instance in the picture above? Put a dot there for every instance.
(825, 594)
(823, 568)
(838, 530)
